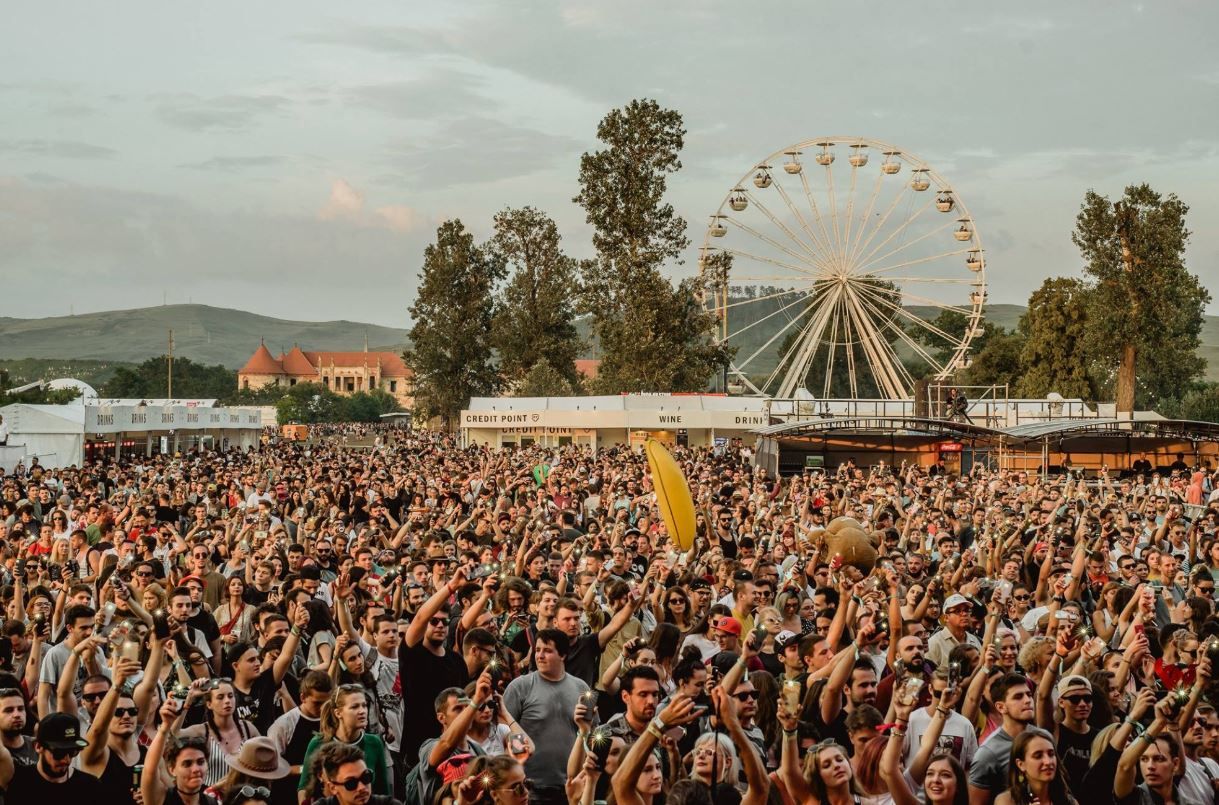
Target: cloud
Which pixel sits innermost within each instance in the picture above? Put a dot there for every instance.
(63, 149)
(234, 164)
(102, 242)
(441, 92)
(477, 149)
(386, 39)
(400, 218)
(345, 202)
(220, 113)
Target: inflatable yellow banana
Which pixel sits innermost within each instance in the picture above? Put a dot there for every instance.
(672, 494)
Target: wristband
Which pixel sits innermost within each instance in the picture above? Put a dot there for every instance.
(1139, 729)
(296, 630)
(789, 733)
(654, 731)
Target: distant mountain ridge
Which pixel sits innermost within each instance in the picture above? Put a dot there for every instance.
(203, 333)
(209, 334)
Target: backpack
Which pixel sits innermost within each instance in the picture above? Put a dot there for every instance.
(413, 786)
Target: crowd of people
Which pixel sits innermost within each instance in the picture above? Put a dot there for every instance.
(420, 622)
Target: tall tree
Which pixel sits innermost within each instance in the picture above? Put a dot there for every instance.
(450, 350)
(1055, 328)
(1147, 309)
(535, 317)
(653, 336)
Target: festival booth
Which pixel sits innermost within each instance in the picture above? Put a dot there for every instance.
(675, 420)
(63, 435)
(1084, 446)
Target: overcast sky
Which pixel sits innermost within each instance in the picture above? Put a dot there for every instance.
(294, 158)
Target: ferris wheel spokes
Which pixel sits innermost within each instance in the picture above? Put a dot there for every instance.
(847, 281)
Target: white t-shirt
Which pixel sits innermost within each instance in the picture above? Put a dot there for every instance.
(389, 690)
(958, 737)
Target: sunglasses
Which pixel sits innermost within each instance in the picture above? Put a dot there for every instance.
(1083, 698)
(126, 711)
(259, 792)
(60, 754)
(438, 621)
(352, 783)
(1022, 597)
(93, 697)
(520, 788)
(746, 695)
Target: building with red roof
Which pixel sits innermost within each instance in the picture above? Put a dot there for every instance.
(342, 372)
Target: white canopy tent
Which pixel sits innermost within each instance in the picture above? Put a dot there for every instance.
(55, 434)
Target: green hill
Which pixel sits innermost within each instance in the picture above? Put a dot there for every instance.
(202, 333)
(89, 345)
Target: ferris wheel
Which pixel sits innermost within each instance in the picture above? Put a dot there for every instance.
(846, 277)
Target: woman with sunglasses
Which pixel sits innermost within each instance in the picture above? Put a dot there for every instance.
(496, 780)
(677, 609)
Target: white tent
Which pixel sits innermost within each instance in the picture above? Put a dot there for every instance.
(53, 433)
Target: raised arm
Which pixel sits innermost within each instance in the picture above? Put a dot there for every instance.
(414, 632)
(284, 661)
(142, 695)
(831, 697)
(789, 759)
(454, 734)
(153, 786)
(620, 619)
(755, 771)
(678, 711)
(93, 757)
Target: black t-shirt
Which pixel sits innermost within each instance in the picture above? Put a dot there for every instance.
(258, 706)
(117, 781)
(28, 785)
(836, 729)
(423, 676)
(1076, 753)
(584, 658)
(255, 596)
(204, 622)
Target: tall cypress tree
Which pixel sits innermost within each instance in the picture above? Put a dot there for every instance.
(450, 350)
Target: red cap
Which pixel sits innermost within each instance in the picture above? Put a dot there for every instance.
(729, 625)
(1040, 546)
(193, 577)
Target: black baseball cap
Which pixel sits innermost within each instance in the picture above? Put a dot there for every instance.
(60, 731)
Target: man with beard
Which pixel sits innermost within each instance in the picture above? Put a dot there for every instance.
(52, 778)
(113, 748)
(12, 725)
(640, 691)
(913, 663)
(1012, 698)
